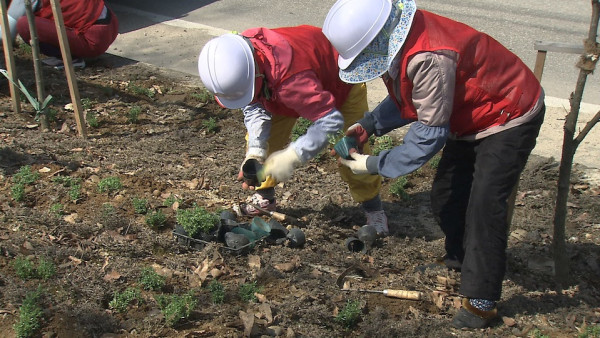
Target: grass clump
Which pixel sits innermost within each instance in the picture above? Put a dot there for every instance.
(25, 176)
(140, 205)
(204, 96)
(151, 280)
(121, 300)
(26, 269)
(382, 143)
(300, 128)
(156, 219)
(169, 201)
(248, 292)
(350, 314)
(75, 192)
(176, 308)
(210, 125)
(45, 269)
(590, 332)
(57, 209)
(217, 292)
(139, 90)
(92, 119)
(197, 220)
(30, 315)
(398, 188)
(133, 116)
(110, 184)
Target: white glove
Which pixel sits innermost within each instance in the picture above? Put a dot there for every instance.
(358, 163)
(281, 164)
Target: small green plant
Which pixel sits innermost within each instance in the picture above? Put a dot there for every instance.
(248, 292)
(334, 138)
(25, 176)
(156, 219)
(591, 332)
(57, 209)
(197, 220)
(300, 128)
(39, 107)
(25, 48)
(140, 205)
(87, 103)
(92, 119)
(169, 201)
(398, 188)
(75, 192)
(434, 163)
(45, 269)
(350, 314)
(17, 192)
(175, 307)
(66, 181)
(133, 116)
(536, 333)
(121, 300)
(110, 184)
(51, 114)
(203, 96)
(217, 292)
(151, 280)
(30, 315)
(24, 268)
(210, 125)
(139, 90)
(382, 143)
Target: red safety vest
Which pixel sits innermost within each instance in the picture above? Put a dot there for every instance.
(78, 15)
(492, 85)
(291, 50)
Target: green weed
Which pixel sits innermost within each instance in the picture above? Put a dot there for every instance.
(203, 96)
(139, 90)
(350, 314)
(24, 268)
(45, 269)
(121, 300)
(57, 209)
(140, 205)
(151, 280)
(17, 192)
(434, 162)
(156, 219)
(75, 192)
(133, 116)
(25, 176)
(66, 181)
(87, 103)
(217, 292)
(398, 188)
(197, 220)
(175, 307)
(382, 143)
(110, 184)
(300, 128)
(92, 119)
(591, 332)
(248, 292)
(169, 201)
(210, 125)
(30, 315)
(51, 114)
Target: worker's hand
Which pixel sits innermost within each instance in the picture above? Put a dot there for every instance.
(360, 134)
(252, 154)
(358, 163)
(281, 164)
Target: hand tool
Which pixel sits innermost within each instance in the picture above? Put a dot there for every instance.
(402, 294)
(277, 215)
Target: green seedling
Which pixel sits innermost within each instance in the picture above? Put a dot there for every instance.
(156, 219)
(300, 128)
(92, 119)
(45, 269)
(217, 292)
(66, 181)
(39, 107)
(24, 268)
(204, 96)
(248, 292)
(110, 184)
(30, 315)
(536, 333)
(87, 104)
(175, 307)
(140, 205)
(17, 192)
(210, 125)
(75, 192)
(197, 220)
(398, 188)
(25, 176)
(591, 332)
(382, 143)
(133, 116)
(57, 209)
(350, 314)
(51, 114)
(138, 90)
(25, 48)
(169, 201)
(151, 280)
(122, 300)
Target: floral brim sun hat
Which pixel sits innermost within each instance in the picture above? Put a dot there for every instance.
(377, 57)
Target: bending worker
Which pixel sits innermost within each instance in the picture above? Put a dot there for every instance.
(276, 76)
(458, 88)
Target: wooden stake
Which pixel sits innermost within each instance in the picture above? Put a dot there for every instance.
(68, 62)
(9, 58)
(37, 65)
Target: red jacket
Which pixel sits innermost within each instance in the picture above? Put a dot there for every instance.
(285, 52)
(493, 85)
(78, 15)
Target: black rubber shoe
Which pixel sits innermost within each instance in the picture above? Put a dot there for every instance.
(469, 317)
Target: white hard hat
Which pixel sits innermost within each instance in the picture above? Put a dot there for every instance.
(351, 25)
(226, 67)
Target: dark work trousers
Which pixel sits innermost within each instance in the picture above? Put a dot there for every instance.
(469, 199)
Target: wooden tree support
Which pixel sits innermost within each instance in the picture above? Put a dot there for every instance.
(9, 58)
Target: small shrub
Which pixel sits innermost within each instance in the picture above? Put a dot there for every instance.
(110, 184)
(140, 205)
(24, 268)
(17, 192)
(175, 307)
(197, 220)
(75, 192)
(210, 125)
(30, 314)
(151, 280)
(382, 143)
(217, 292)
(57, 209)
(300, 128)
(45, 269)
(92, 119)
(133, 116)
(591, 332)
(350, 314)
(398, 188)
(248, 290)
(156, 219)
(25, 176)
(121, 300)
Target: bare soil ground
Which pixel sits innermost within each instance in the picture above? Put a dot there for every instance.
(170, 151)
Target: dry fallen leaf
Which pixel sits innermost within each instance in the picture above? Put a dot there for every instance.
(71, 219)
(266, 312)
(510, 322)
(112, 276)
(254, 262)
(248, 321)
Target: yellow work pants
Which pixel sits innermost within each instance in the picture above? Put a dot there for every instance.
(362, 187)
